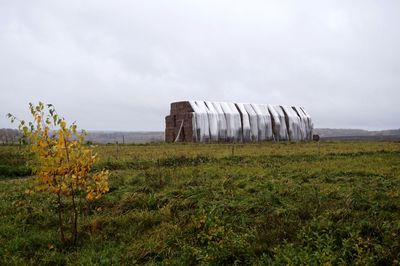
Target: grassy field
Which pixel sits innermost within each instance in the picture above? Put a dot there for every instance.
(271, 203)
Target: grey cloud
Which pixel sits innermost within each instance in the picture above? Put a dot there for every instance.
(117, 65)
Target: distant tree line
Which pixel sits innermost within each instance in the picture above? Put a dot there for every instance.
(9, 136)
(12, 136)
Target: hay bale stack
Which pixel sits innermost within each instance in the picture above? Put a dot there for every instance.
(204, 121)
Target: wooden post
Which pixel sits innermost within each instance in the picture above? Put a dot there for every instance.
(179, 132)
(117, 150)
(316, 139)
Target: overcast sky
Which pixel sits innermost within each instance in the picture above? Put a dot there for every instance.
(117, 65)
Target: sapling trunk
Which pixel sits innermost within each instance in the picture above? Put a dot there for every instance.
(75, 225)
(75, 222)
(60, 223)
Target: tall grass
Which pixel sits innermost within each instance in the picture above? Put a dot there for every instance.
(267, 203)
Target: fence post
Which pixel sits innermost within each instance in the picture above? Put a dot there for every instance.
(117, 150)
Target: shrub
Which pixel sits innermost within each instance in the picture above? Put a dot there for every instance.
(62, 163)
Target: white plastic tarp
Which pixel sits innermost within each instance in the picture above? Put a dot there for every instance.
(264, 122)
(237, 122)
(195, 136)
(310, 125)
(212, 120)
(246, 134)
(283, 132)
(293, 123)
(253, 121)
(303, 122)
(221, 120)
(276, 123)
(231, 124)
(202, 125)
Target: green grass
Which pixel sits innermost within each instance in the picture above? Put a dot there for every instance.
(13, 163)
(267, 203)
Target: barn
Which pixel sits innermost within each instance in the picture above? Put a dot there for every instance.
(205, 121)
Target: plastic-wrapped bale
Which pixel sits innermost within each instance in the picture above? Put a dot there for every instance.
(293, 122)
(236, 129)
(246, 130)
(233, 122)
(264, 122)
(310, 125)
(195, 136)
(270, 130)
(261, 124)
(303, 122)
(253, 121)
(284, 131)
(202, 124)
(275, 121)
(221, 120)
(212, 119)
